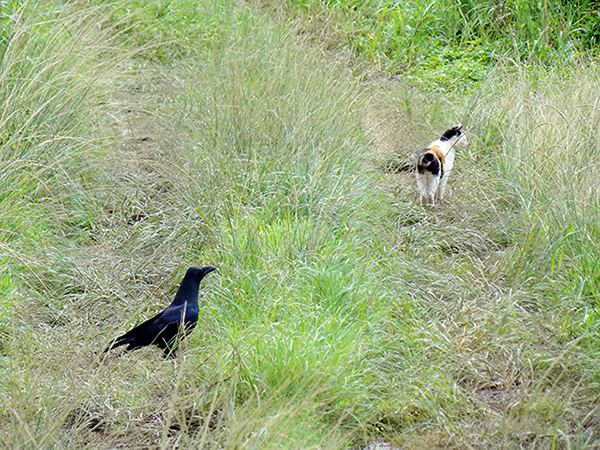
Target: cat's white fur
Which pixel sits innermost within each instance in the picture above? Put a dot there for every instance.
(434, 164)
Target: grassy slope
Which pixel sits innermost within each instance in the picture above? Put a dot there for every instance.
(342, 310)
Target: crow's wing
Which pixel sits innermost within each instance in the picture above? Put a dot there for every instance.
(159, 330)
(142, 330)
(142, 327)
(173, 314)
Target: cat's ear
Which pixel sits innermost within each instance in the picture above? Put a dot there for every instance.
(451, 132)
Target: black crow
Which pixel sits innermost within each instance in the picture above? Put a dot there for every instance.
(167, 328)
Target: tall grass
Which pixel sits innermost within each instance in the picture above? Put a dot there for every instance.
(545, 134)
(44, 101)
(49, 105)
(56, 65)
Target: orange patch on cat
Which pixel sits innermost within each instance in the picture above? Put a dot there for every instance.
(438, 152)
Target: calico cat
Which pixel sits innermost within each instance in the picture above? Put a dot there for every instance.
(435, 162)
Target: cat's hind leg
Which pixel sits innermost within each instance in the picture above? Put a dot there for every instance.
(428, 186)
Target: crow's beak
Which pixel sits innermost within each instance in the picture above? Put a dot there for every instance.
(209, 269)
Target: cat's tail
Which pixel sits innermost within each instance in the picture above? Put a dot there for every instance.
(431, 160)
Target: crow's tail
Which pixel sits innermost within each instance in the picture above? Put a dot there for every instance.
(116, 343)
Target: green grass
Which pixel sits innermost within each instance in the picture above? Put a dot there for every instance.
(138, 140)
(449, 45)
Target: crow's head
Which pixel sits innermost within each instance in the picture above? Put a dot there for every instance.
(199, 272)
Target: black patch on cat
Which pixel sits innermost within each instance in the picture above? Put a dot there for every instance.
(427, 161)
(449, 134)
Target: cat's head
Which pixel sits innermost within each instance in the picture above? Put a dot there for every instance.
(455, 137)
